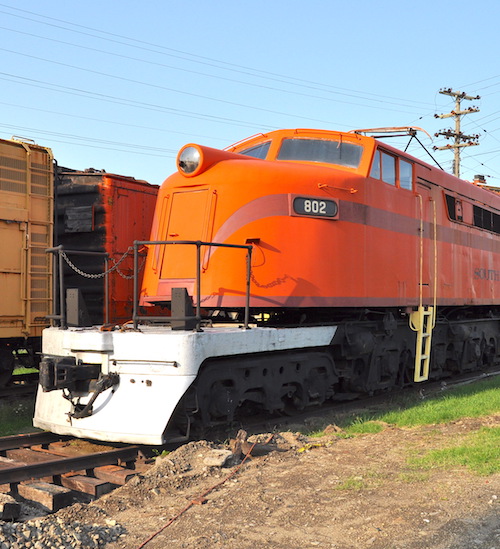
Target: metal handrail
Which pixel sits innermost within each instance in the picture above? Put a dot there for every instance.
(198, 243)
(59, 287)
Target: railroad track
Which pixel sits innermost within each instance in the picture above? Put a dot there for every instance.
(52, 472)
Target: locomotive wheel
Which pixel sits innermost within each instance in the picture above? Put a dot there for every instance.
(224, 399)
(271, 382)
(489, 352)
(406, 369)
(217, 397)
(7, 363)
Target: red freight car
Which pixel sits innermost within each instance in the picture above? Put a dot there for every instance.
(103, 214)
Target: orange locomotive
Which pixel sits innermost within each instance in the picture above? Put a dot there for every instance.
(336, 220)
(344, 227)
(355, 266)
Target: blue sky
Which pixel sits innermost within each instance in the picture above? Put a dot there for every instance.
(121, 86)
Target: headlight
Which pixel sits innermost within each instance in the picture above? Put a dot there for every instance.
(188, 160)
(193, 159)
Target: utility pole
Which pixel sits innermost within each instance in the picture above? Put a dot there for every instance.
(461, 140)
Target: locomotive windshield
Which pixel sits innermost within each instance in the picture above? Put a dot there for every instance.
(321, 150)
(259, 151)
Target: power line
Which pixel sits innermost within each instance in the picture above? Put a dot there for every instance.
(207, 61)
(157, 86)
(124, 101)
(218, 77)
(128, 42)
(165, 130)
(96, 143)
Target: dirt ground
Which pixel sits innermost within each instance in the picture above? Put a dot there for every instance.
(302, 493)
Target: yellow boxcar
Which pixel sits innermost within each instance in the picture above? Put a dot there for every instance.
(26, 224)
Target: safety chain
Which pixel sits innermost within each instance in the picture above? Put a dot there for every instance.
(273, 283)
(115, 267)
(126, 277)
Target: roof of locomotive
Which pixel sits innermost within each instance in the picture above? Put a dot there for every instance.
(279, 135)
(268, 147)
(370, 144)
(361, 147)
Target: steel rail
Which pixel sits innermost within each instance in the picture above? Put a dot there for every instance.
(26, 440)
(22, 473)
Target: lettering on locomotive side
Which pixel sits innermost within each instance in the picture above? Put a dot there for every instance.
(314, 207)
(487, 274)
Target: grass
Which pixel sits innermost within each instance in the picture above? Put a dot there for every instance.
(371, 479)
(352, 483)
(23, 370)
(16, 418)
(365, 425)
(474, 400)
(479, 451)
(412, 477)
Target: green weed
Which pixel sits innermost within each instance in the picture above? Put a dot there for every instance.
(16, 418)
(479, 451)
(352, 483)
(22, 370)
(475, 400)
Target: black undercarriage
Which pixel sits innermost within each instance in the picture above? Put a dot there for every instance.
(372, 351)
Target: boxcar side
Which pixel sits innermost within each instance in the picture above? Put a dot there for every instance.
(26, 226)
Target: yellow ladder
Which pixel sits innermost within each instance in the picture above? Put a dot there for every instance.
(422, 321)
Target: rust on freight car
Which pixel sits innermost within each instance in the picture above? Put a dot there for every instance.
(102, 213)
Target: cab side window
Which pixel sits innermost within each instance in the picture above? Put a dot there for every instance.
(375, 171)
(392, 170)
(388, 168)
(405, 174)
(259, 151)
